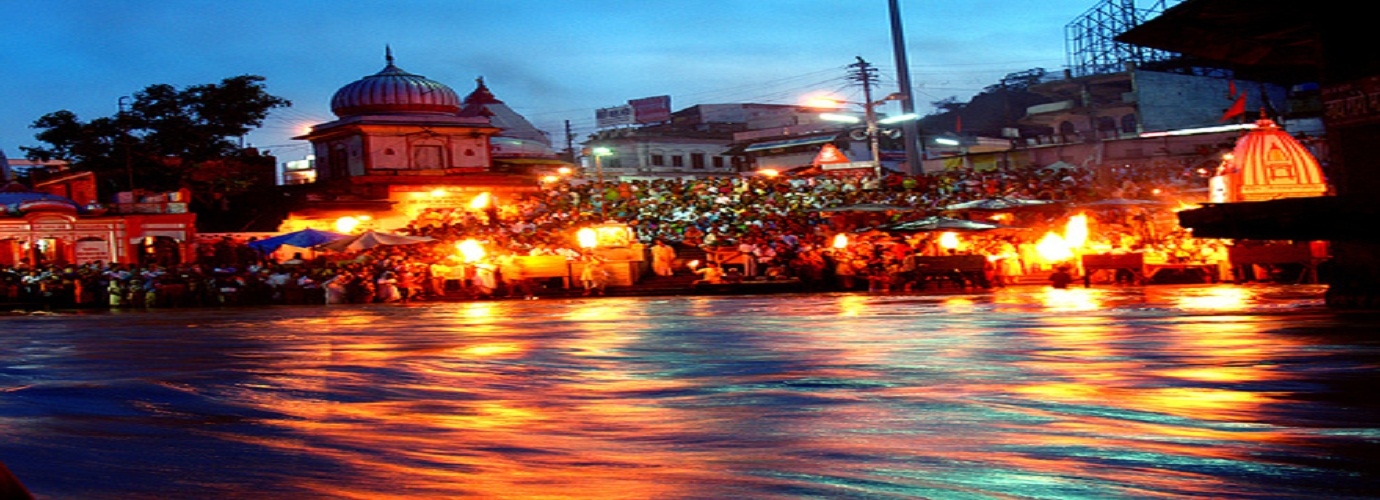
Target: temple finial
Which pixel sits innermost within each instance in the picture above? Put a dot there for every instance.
(388, 54)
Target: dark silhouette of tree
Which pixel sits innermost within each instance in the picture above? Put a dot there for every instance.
(167, 139)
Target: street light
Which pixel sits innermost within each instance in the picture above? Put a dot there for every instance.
(599, 153)
(873, 129)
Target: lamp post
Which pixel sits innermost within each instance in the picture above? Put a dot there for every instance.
(873, 125)
(124, 138)
(599, 153)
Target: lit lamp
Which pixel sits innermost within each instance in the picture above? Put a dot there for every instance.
(470, 250)
(948, 240)
(840, 241)
(587, 238)
(869, 117)
(346, 224)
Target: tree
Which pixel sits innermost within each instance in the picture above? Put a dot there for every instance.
(167, 139)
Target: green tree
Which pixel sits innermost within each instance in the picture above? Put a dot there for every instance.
(168, 139)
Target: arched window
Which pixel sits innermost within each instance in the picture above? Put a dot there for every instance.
(428, 157)
(1066, 128)
(1128, 124)
(338, 162)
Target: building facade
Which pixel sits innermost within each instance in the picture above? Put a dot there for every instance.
(403, 144)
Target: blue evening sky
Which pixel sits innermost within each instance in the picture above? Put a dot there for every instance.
(550, 60)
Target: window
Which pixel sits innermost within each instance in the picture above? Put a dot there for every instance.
(1128, 124)
(427, 157)
(337, 164)
(718, 162)
(697, 161)
(658, 161)
(678, 161)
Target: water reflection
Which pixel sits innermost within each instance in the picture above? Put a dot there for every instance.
(1092, 393)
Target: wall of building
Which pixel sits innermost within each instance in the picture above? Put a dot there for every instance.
(1169, 101)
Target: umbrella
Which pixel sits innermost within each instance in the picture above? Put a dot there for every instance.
(371, 239)
(305, 238)
(1000, 204)
(929, 224)
(1122, 202)
(868, 207)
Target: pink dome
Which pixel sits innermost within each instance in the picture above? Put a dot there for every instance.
(394, 91)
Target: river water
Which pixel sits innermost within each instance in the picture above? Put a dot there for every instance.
(1216, 391)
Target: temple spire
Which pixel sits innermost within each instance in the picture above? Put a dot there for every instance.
(388, 54)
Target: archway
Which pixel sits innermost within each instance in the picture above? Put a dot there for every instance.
(11, 252)
(163, 251)
(50, 252)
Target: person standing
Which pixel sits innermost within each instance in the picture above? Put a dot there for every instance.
(594, 276)
(663, 256)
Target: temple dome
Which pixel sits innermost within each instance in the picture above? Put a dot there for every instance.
(394, 91)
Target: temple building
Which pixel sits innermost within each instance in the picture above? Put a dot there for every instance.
(1267, 164)
(403, 144)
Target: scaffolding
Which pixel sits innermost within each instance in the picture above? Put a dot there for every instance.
(1089, 39)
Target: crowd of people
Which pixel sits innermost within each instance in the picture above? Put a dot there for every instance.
(779, 227)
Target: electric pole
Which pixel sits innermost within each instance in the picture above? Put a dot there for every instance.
(915, 146)
(866, 73)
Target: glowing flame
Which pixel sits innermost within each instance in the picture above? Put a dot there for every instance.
(767, 172)
(470, 250)
(346, 224)
(480, 201)
(948, 240)
(1076, 232)
(1053, 248)
(438, 193)
(693, 264)
(840, 241)
(587, 238)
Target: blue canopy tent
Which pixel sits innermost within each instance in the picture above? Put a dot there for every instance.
(305, 238)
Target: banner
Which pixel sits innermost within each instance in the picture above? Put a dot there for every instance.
(615, 116)
(651, 109)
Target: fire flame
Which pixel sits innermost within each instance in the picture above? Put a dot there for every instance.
(1053, 248)
(587, 238)
(1076, 231)
(481, 201)
(470, 250)
(840, 241)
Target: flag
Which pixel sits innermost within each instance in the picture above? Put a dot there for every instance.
(958, 124)
(1237, 108)
(1231, 89)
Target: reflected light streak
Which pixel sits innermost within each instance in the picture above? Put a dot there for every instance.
(1071, 299)
(478, 310)
(1216, 298)
(490, 350)
(852, 305)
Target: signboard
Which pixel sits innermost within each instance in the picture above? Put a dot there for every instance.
(642, 111)
(615, 116)
(848, 166)
(651, 109)
(88, 251)
(1352, 103)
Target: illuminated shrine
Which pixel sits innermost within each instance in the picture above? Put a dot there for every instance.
(1268, 164)
(406, 147)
